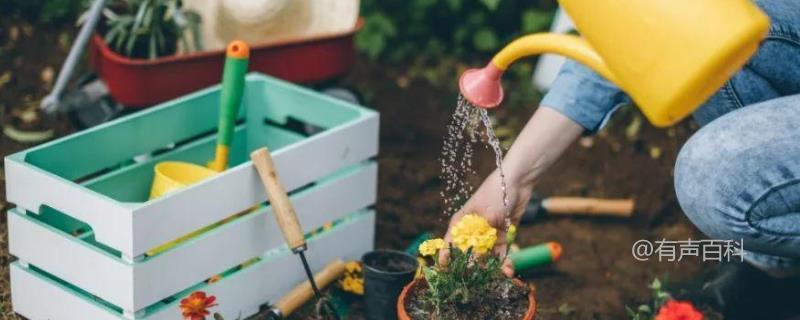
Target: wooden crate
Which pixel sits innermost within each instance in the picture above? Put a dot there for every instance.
(83, 222)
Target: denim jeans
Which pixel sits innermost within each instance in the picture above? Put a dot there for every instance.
(738, 177)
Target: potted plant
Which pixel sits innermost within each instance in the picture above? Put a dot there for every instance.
(151, 28)
(470, 285)
(151, 51)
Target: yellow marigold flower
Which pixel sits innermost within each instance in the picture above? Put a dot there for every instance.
(430, 247)
(352, 285)
(473, 231)
(422, 264)
(353, 267)
(511, 234)
(352, 281)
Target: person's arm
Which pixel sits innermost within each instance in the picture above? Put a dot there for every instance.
(579, 101)
(582, 101)
(584, 96)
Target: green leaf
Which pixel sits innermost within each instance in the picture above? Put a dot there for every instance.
(491, 4)
(153, 50)
(370, 43)
(131, 43)
(536, 20)
(140, 15)
(656, 284)
(485, 40)
(454, 5)
(460, 34)
(373, 38)
(566, 310)
(630, 311)
(422, 5)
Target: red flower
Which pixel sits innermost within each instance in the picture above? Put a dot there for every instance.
(678, 310)
(196, 305)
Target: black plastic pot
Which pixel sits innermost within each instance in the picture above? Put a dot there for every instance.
(386, 272)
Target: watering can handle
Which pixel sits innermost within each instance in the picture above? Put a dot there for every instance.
(570, 46)
(281, 206)
(302, 293)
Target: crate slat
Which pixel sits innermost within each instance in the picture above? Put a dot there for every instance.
(92, 269)
(239, 188)
(239, 294)
(40, 176)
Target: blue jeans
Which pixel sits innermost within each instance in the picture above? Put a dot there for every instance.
(739, 176)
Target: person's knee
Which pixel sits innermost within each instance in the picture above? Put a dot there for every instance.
(701, 181)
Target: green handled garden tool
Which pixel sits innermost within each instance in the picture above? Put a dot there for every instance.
(535, 256)
(284, 212)
(236, 59)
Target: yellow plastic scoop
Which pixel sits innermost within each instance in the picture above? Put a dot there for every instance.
(173, 175)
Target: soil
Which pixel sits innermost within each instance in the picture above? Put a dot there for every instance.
(503, 301)
(596, 276)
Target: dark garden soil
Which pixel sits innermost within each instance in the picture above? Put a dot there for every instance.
(596, 277)
(503, 301)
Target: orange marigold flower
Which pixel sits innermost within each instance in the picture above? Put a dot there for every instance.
(678, 310)
(196, 305)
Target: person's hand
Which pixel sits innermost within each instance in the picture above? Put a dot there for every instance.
(487, 202)
(545, 137)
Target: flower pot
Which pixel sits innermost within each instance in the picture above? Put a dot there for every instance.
(386, 272)
(137, 83)
(401, 301)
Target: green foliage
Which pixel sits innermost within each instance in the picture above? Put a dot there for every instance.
(535, 20)
(43, 11)
(151, 28)
(463, 281)
(376, 33)
(647, 311)
(398, 30)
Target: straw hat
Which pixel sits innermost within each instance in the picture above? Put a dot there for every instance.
(264, 21)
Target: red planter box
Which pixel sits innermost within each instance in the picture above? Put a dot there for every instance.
(141, 83)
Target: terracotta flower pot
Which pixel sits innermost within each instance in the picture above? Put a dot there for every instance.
(401, 302)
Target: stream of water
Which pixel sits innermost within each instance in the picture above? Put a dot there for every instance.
(463, 132)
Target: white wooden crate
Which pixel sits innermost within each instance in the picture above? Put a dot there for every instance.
(38, 297)
(88, 183)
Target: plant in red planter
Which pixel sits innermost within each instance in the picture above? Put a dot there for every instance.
(470, 285)
(151, 28)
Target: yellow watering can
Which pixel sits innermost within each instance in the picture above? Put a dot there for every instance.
(668, 55)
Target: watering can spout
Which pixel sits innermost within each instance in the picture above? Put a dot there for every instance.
(481, 87)
(667, 61)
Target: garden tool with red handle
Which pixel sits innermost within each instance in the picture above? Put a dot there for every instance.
(285, 215)
(539, 206)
